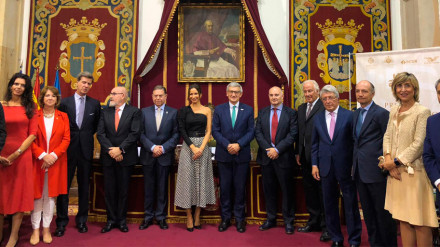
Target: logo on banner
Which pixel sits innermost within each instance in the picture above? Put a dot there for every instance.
(339, 42)
(83, 51)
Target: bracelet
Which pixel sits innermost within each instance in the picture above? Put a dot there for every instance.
(19, 151)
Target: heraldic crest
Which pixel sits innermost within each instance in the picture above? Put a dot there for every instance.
(83, 50)
(339, 41)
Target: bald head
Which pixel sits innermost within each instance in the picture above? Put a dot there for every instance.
(364, 93)
(118, 96)
(276, 96)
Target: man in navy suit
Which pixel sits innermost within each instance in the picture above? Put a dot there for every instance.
(159, 139)
(83, 112)
(312, 188)
(369, 126)
(118, 131)
(431, 147)
(332, 155)
(233, 130)
(276, 131)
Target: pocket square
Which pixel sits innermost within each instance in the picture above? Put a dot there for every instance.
(91, 114)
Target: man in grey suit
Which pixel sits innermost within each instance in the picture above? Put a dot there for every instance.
(369, 126)
(159, 139)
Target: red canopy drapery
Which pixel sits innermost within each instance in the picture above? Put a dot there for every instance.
(252, 15)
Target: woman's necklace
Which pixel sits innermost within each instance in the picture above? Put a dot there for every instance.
(48, 115)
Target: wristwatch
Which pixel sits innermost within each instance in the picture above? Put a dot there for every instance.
(19, 151)
(396, 162)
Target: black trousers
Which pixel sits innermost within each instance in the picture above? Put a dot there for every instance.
(381, 227)
(233, 177)
(83, 167)
(313, 195)
(274, 175)
(116, 185)
(155, 189)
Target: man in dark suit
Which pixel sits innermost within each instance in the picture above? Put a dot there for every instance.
(83, 112)
(369, 126)
(303, 146)
(332, 155)
(275, 132)
(431, 147)
(159, 138)
(119, 129)
(233, 130)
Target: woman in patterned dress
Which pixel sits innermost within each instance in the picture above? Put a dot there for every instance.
(195, 182)
(16, 180)
(409, 196)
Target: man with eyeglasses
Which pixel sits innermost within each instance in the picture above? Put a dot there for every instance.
(233, 130)
(332, 157)
(119, 129)
(83, 112)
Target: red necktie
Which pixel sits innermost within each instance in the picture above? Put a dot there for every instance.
(274, 124)
(117, 119)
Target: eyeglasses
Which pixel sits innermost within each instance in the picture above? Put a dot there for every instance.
(234, 92)
(330, 98)
(114, 94)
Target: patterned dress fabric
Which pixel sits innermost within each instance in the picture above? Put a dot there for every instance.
(195, 182)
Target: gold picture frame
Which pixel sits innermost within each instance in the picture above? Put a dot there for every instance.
(211, 43)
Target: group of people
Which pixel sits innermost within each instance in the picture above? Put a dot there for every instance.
(371, 151)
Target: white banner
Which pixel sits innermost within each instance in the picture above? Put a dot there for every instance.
(381, 67)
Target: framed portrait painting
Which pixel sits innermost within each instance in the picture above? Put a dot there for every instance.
(211, 43)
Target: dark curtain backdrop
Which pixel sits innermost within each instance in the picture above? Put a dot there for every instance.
(164, 71)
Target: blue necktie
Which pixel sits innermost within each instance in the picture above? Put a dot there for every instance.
(360, 121)
(234, 115)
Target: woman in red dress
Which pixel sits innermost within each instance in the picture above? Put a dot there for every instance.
(16, 180)
(50, 168)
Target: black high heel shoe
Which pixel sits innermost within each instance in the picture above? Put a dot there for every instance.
(190, 229)
(199, 227)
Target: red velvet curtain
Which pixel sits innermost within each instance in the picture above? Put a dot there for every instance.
(267, 68)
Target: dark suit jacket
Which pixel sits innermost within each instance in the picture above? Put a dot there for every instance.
(2, 128)
(129, 131)
(224, 134)
(81, 140)
(285, 137)
(431, 148)
(368, 146)
(167, 136)
(337, 152)
(305, 127)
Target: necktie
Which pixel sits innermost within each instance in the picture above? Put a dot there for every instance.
(274, 124)
(309, 109)
(158, 118)
(332, 125)
(360, 121)
(116, 119)
(234, 115)
(80, 114)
